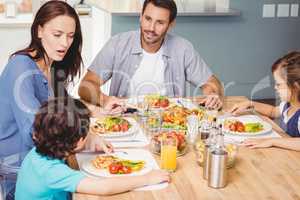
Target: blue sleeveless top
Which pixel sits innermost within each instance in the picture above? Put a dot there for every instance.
(290, 126)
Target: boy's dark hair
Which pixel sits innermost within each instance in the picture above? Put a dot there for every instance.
(290, 71)
(58, 126)
(167, 4)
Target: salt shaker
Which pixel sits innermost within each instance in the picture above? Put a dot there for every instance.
(217, 172)
(209, 145)
(204, 130)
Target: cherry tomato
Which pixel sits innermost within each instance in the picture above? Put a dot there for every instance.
(116, 128)
(114, 168)
(232, 127)
(125, 170)
(240, 127)
(180, 140)
(164, 103)
(124, 127)
(156, 104)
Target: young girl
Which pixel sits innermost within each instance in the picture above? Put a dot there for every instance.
(286, 72)
(60, 129)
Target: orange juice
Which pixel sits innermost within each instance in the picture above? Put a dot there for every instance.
(168, 157)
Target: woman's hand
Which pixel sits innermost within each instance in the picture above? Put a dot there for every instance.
(97, 143)
(240, 108)
(114, 106)
(258, 143)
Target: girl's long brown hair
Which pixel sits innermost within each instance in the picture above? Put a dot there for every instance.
(289, 66)
(72, 61)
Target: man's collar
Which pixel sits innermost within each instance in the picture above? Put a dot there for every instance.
(137, 46)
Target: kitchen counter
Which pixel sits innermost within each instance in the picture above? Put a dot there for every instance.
(21, 20)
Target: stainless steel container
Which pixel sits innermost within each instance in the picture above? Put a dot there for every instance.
(217, 172)
(206, 160)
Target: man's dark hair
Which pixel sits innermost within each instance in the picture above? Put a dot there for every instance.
(167, 4)
(58, 126)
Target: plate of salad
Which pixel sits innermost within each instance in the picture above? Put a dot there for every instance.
(246, 126)
(110, 127)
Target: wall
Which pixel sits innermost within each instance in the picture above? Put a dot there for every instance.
(241, 49)
(95, 32)
(12, 39)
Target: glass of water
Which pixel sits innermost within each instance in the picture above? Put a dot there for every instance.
(192, 127)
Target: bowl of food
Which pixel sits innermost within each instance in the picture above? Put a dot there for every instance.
(230, 146)
(180, 137)
(157, 101)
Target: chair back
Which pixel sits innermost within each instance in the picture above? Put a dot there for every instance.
(9, 167)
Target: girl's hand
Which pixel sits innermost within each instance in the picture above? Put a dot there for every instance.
(258, 143)
(240, 108)
(157, 176)
(97, 143)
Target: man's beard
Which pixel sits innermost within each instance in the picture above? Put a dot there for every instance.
(156, 40)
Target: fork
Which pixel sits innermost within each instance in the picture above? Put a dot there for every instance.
(133, 140)
(120, 151)
(180, 103)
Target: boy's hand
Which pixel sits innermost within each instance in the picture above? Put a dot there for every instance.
(97, 143)
(157, 176)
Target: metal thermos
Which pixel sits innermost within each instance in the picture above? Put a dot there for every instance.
(206, 160)
(217, 172)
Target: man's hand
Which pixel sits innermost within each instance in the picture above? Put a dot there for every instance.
(214, 93)
(212, 101)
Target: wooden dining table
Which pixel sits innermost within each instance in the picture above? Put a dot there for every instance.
(268, 174)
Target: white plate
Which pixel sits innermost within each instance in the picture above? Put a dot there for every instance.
(267, 128)
(187, 103)
(177, 101)
(134, 155)
(133, 129)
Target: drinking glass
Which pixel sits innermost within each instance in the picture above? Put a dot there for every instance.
(192, 127)
(154, 123)
(168, 153)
